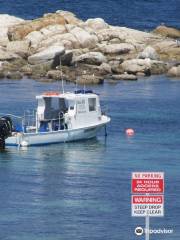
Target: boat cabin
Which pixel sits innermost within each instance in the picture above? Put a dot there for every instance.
(57, 111)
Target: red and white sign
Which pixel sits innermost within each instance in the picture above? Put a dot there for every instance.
(150, 205)
(147, 183)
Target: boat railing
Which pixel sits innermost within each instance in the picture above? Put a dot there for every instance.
(29, 118)
(27, 122)
(104, 109)
(61, 122)
(52, 124)
(21, 123)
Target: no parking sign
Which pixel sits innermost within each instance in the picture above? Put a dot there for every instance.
(147, 198)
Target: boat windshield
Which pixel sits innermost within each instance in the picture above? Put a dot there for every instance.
(54, 106)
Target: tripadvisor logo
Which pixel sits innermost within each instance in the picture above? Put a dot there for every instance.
(139, 231)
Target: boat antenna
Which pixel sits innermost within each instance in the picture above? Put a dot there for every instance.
(75, 66)
(84, 81)
(62, 81)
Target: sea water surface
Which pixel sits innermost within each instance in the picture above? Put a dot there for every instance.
(140, 14)
(82, 190)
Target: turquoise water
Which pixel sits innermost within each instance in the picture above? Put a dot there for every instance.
(82, 190)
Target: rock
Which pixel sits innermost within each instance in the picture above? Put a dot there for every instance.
(6, 55)
(14, 75)
(40, 70)
(3, 64)
(149, 52)
(2, 75)
(94, 58)
(120, 48)
(140, 74)
(20, 31)
(121, 33)
(40, 42)
(52, 30)
(115, 41)
(46, 55)
(98, 48)
(67, 44)
(134, 36)
(86, 69)
(136, 65)
(158, 67)
(80, 51)
(13, 65)
(69, 17)
(97, 24)
(54, 74)
(46, 36)
(113, 59)
(67, 40)
(105, 68)
(109, 34)
(19, 47)
(27, 70)
(42, 79)
(124, 76)
(89, 79)
(116, 67)
(168, 50)
(167, 32)
(84, 73)
(85, 39)
(66, 59)
(145, 66)
(34, 37)
(127, 35)
(172, 54)
(174, 72)
(5, 22)
(69, 73)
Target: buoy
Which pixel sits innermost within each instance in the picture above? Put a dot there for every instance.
(130, 132)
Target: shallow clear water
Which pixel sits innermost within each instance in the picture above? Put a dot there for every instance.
(140, 14)
(82, 190)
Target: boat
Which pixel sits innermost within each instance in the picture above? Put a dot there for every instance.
(59, 117)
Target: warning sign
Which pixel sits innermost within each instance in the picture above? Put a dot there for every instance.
(151, 205)
(147, 183)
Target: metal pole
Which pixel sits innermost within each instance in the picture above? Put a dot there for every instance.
(147, 224)
(147, 220)
(62, 81)
(75, 66)
(84, 72)
(105, 131)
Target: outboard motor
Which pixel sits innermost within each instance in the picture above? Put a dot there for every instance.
(5, 130)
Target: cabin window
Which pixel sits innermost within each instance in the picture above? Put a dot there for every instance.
(92, 104)
(81, 106)
(63, 105)
(71, 104)
(55, 103)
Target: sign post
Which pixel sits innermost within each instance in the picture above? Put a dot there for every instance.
(147, 198)
(147, 228)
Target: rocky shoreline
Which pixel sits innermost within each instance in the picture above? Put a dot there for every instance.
(86, 51)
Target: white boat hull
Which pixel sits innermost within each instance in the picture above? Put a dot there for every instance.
(44, 138)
